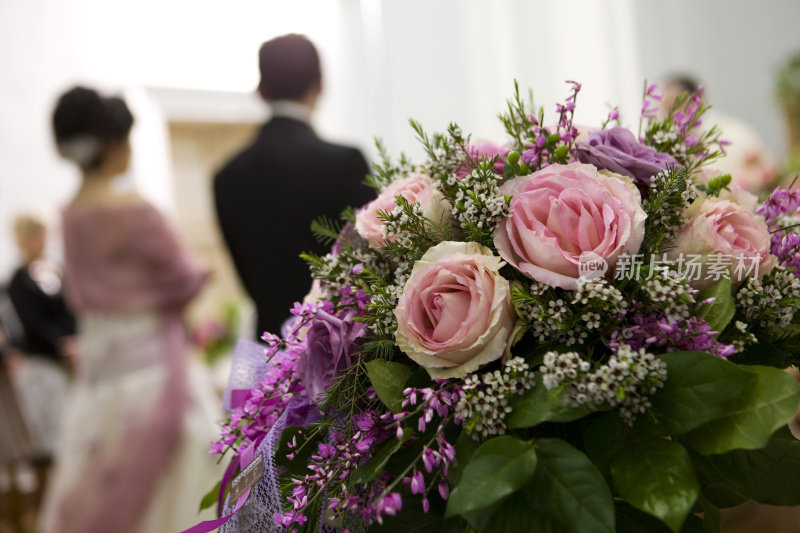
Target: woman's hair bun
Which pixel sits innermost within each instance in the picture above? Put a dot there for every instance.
(84, 123)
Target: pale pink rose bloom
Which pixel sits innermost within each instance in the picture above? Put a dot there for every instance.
(732, 233)
(416, 188)
(563, 211)
(455, 313)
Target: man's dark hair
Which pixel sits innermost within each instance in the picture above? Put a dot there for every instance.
(684, 81)
(289, 67)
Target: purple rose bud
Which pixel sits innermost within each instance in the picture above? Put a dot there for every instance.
(331, 343)
(617, 150)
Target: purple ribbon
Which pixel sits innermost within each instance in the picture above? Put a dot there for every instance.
(210, 525)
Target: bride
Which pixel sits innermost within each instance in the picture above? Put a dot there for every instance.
(133, 453)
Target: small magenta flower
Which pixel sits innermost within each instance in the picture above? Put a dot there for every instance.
(389, 506)
(417, 483)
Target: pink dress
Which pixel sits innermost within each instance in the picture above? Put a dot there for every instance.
(133, 452)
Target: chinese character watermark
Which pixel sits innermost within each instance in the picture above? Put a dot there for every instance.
(692, 267)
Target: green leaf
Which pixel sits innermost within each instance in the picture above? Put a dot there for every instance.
(769, 402)
(499, 467)
(700, 388)
(568, 492)
(632, 520)
(712, 518)
(657, 478)
(465, 448)
(389, 379)
(604, 436)
(718, 313)
(769, 475)
(375, 465)
(539, 405)
(514, 514)
(210, 497)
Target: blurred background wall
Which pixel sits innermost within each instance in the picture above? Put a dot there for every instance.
(188, 68)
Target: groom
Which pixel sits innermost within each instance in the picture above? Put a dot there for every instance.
(267, 196)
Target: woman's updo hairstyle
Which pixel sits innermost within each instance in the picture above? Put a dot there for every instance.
(85, 124)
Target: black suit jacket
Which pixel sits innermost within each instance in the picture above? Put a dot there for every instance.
(45, 318)
(266, 198)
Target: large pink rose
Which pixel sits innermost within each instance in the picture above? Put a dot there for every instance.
(564, 212)
(455, 313)
(416, 188)
(723, 234)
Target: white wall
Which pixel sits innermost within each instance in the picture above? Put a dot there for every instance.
(384, 61)
(732, 46)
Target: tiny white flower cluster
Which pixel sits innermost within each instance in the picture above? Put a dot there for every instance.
(388, 322)
(398, 220)
(761, 300)
(671, 292)
(670, 138)
(626, 381)
(480, 201)
(556, 320)
(551, 321)
(747, 337)
(662, 137)
(600, 291)
(483, 406)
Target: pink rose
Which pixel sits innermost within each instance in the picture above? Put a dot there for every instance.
(455, 313)
(481, 150)
(563, 212)
(416, 188)
(724, 234)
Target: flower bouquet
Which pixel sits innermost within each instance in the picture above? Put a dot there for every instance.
(581, 330)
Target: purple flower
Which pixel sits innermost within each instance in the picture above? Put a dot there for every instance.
(617, 150)
(331, 343)
(389, 505)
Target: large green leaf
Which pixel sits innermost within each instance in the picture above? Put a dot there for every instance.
(465, 448)
(500, 466)
(632, 520)
(720, 312)
(514, 514)
(567, 491)
(657, 478)
(769, 475)
(769, 402)
(700, 388)
(604, 435)
(389, 379)
(541, 405)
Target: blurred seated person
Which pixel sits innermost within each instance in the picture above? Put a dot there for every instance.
(48, 341)
(268, 195)
(747, 158)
